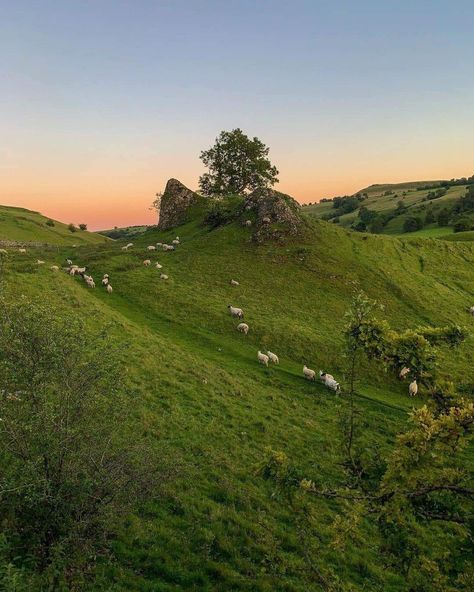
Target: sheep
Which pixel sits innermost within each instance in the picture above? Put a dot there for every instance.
(236, 312)
(129, 245)
(163, 276)
(413, 388)
(234, 283)
(105, 281)
(22, 250)
(243, 328)
(158, 266)
(151, 248)
(403, 373)
(147, 262)
(248, 223)
(165, 247)
(308, 373)
(266, 220)
(273, 357)
(471, 310)
(72, 271)
(109, 289)
(39, 262)
(125, 248)
(332, 384)
(177, 238)
(54, 268)
(325, 376)
(106, 275)
(80, 270)
(159, 244)
(68, 261)
(90, 282)
(175, 242)
(262, 358)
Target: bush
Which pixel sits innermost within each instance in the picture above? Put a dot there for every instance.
(65, 453)
(462, 225)
(71, 227)
(49, 222)
(412, 224)
(221, 213)
(82, 226)
(443, 217)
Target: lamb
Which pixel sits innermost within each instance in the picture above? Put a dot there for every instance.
(158, 266)
(22, 250)
(54, 268)
(39, 262)
(308, 373)
(413, 388)
(151, 248)
(234, 283)
(159, 244)
(403, 373)
(90, 282)
(147, 262)
(243, 328)
(262, 358)
(105, 281)
(125, 248)
(273, 357)
(163, 276)
(109, 289)
(175, 242)
(236, 312)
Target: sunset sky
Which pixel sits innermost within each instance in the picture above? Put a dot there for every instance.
(101, 101)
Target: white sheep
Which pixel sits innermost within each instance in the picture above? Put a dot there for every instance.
(236, 312)
(90, 282)
(39, 262)
(109, 289)
(413, 388)
(158, 266)
(471, 310)
(325, 376)
(105, 281)
(248, 223)
(163, 276)
(125, 248)
(159, 244)
(266, 220)
(54, 268)
(262, 358)
(308, 373)
(151, 248)
(68, 261)
(129, 245)
(147, 262)
(177, 238)
(243, 328)
(332, 384)
(273, 357)
(234, 283)
(22, 250)
(175, 241)
(403, 373)
(106, 275)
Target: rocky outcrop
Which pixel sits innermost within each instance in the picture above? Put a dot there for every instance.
(175, 204)
(274, 215)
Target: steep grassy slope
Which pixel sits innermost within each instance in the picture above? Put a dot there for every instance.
(195, 383)
(384, 199)
(25, 226)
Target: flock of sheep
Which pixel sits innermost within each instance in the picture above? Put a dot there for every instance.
(263, 358)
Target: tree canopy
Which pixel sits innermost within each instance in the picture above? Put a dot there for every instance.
(237, 164)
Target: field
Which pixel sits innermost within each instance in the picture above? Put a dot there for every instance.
(24, 226)
(195, 385)
(384, 199)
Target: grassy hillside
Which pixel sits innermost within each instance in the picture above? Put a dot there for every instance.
(195, 384)
(384, 199)
(24, 226)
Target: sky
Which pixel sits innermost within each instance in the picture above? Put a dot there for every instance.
(101, 101)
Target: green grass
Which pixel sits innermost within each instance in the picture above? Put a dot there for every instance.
(24, 226)
(195, 384)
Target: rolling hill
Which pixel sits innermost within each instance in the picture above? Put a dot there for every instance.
(24, 226)
(417, 198)
(194, 383)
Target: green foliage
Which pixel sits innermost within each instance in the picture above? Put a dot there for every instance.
(222, 212)
(82, 226)
(236, 164)
(412, 224)
(462, 225)
(71, 227)
(49, 222)
(443, 217)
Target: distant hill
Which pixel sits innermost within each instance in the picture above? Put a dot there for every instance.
(25, 226)
(391, 205)
(125, 232)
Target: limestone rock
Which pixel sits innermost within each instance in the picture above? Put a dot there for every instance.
(175, 203)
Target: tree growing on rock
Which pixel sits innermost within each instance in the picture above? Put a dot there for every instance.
(237, 164)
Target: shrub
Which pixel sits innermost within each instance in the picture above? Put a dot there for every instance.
(462, 225)
(72, 228)
(82, 226)
(412, 224)
(50, 222)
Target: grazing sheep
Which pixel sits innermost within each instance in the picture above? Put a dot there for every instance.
(130, 245)
(236, 312)
(54, 268)
(163, 276)
(105, 281)
(308, 373)
(90, 282)
(158, 266)
(332, 384)
(404, 373)
(175, 242)
(177, 238)
(109, 289)
(273, 357)
(243, 328)
(151, 248)
(262, 358)
(413, 388)
(147, 262)
(266, 220)
(234, 283)
(471, 310)
(248, 223)
(159, 244)
(68, 261)
(325, 376)
(125, 248)
(39, 262)
(22, 250)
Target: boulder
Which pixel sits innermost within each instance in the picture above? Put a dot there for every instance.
(175, 203)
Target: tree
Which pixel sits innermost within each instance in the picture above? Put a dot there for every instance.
(82, 226)
(68, 468)
(462, 225)
(412, 224)
(156, 204)
(237, 165)
(430, 217)
(49, 222)
(71, 227)
(443, 217)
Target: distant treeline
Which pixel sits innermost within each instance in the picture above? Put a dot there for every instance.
(128, 232)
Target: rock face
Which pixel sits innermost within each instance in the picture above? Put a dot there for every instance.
(175, 202)
(276, 215)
